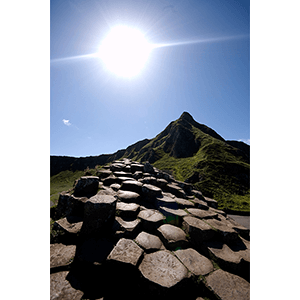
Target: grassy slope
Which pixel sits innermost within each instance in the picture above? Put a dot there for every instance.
(214, 161)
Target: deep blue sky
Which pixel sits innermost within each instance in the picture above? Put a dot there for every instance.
(205, 70)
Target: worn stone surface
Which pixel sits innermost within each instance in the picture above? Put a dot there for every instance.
(98, 211)
(228, 286)
(172, 236)
(126, 238)
(194, 261)
(126, 251)
(149, 242)
(129, 197)
(127, 210)
(151, 219)
(62, 289)
(61, 255)
(197, 229)
(86, 186)
(202, 214)
(163, 268)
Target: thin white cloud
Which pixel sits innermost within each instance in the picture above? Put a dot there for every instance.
(247, 141)
(66, 122)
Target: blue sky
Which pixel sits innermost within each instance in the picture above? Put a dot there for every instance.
(203, 68)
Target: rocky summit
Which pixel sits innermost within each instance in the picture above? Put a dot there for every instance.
(134, 232)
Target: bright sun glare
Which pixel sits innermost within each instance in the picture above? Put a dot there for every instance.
(124, 51)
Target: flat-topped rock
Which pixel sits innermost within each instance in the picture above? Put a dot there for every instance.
(149, 242)
(224, 256)
(117, 166)
(163, 269)
(151, 219)
(128, 196)
(132, 185)
(129, 226)
(176, 190)
(197, 194)
(197, 229)
(126, 251)
(228, 286)
(99, 211)
(166, 201)
(202, 214)
(227, 233)
(111, 180)
(183, 203)
(127, 210)
(200, 204)
(211, 202)
(67, 230)
(135, 167)
(172, 236)
(194, 261)
(151, 191)
(61, 255)
(86, 186)
(103, 173)
(61, 288)
(173, 216)
(122, 174)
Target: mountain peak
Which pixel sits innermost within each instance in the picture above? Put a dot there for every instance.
(186, 116)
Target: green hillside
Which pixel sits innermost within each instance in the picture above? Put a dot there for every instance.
(191, 152)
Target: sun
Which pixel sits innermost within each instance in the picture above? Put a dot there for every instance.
(124, 51)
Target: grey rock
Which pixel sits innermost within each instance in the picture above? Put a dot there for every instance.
(202, 214)
(228, 286)
(172, 236)
(111, 180)
(176, 190)
(132, 186)
(163, 269)
(227, 233)
(197, 194)
(197, 229)
(182, 203)
(200, 204)
(136, 167)
(103, 173)
(149, 242)
(166, 201)
(173, 216)
(122, 174)
(117, 166)
(129, 227)
(150, 191)
(126, 251)
(115, 186)
(61, 255)
(148, 168)
(61, 288)
(151, 219)
(194, 261)
(99, 211)
(67, 229)
(86, 186)
(211, 202)
(128, 196)
(127, 210)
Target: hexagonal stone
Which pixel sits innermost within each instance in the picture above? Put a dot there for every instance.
(149, 242)
(61, 255)
(166, 201)
(61, 288)
(126, 251)
(173, 216)
(176, 190)
(241, 230)
(122, 174)
(224, 256)
(182, 203)
(117, 166)
(132, 185)
(151, 191)
(137, 167)
(86, 186)
(130, 227)
(111, 180)
(172, 236)
(200, 204)
(151, 219)
(197, 229)
(211, 202)
(163, 269)
(128, 197)
(99, 211)
(67, 229)
(194, 261)
(228, 286)
(227, 233)
(202, 214)
(127, 210)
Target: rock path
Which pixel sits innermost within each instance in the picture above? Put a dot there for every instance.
(135, 232)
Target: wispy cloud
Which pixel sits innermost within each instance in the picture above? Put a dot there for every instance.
(66, 122)
(247, 141)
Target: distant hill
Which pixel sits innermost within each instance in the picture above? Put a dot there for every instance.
(192, 152)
